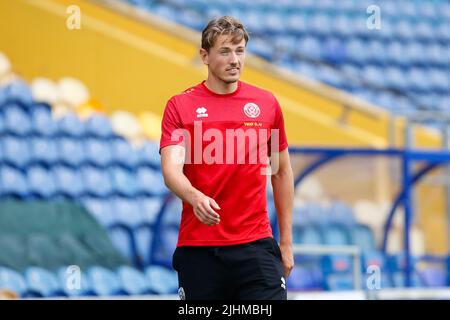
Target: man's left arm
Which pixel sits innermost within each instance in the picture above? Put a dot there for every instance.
(283, 192)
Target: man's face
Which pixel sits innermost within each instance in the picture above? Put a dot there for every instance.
(225, 59)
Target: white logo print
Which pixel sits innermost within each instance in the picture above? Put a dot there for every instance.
(251, 110)
(181, 293)
(283, 283)
(201, 112)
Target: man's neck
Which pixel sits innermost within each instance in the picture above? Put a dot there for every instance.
(220, 87)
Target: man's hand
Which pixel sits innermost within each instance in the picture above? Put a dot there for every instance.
(204, 209)
(288, 259)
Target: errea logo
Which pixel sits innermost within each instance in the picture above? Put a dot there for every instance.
(201, 112)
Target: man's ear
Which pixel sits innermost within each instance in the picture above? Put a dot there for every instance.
(204, 56)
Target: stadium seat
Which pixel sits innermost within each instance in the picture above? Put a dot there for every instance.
(42, 121)
(70, 125)
(104, 282)
(126, 211)
(363, 237)
(98, 152)
(148, 155)
(13, 182)
(41, 182)
(96, 182)
(161, 280)
(99, 126)
(101, 209)
(124, 182)
(433, 277)
(123, 154)
(307, 235)
(72, 284)
(43, 151)
(150, 207)
(42, 283)
(68, 181)
(18, 90)
(12, 280)
(71, 151)
(16, 151)
(144, 240)
(299, 279)
(122, 241)
(133, 281)
(150, 182)
(340, 282)
(16, 120)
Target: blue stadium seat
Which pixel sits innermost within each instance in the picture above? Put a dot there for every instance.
(162, 280)
(172, 215)
(363, 237)
(71, 125)
(18, 90)
(300, 279)
(43, 151)
(123, 154)
(150, 181)
(168, 239)
(316, 214)
(133, 281)
(148, 155)
(341, 214)
(16, 120)
(150, 207)
(42, 121)
(97, 182)
(144, 239)
(68, 181)
(104, 282)
(42, 283)
(98, 152)
(307, 235)
(13, 182)
(335, 235)
(126, 211)
(99, 126)
(71, 151)
(122, 241)
(399, 281)
(340, 282)
(71, 283)
(16, 151)
(124, 182)
(41, 182)
(12, 280)
(433, 277)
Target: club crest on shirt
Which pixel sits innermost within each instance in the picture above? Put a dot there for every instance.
(251, 110)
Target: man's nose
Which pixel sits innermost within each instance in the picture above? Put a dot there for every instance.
(233, 58)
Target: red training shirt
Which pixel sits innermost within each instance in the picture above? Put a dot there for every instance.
(225, 133)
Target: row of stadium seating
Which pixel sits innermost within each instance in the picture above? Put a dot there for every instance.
(403, 66)
(96, 281)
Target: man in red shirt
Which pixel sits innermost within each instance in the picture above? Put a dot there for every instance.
(216, 141)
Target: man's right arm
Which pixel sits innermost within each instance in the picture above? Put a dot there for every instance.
(179, 184)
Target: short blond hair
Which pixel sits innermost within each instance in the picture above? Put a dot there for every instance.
(225, 25)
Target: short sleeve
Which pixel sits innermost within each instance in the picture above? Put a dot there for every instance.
(278, 140)
(171, 127)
